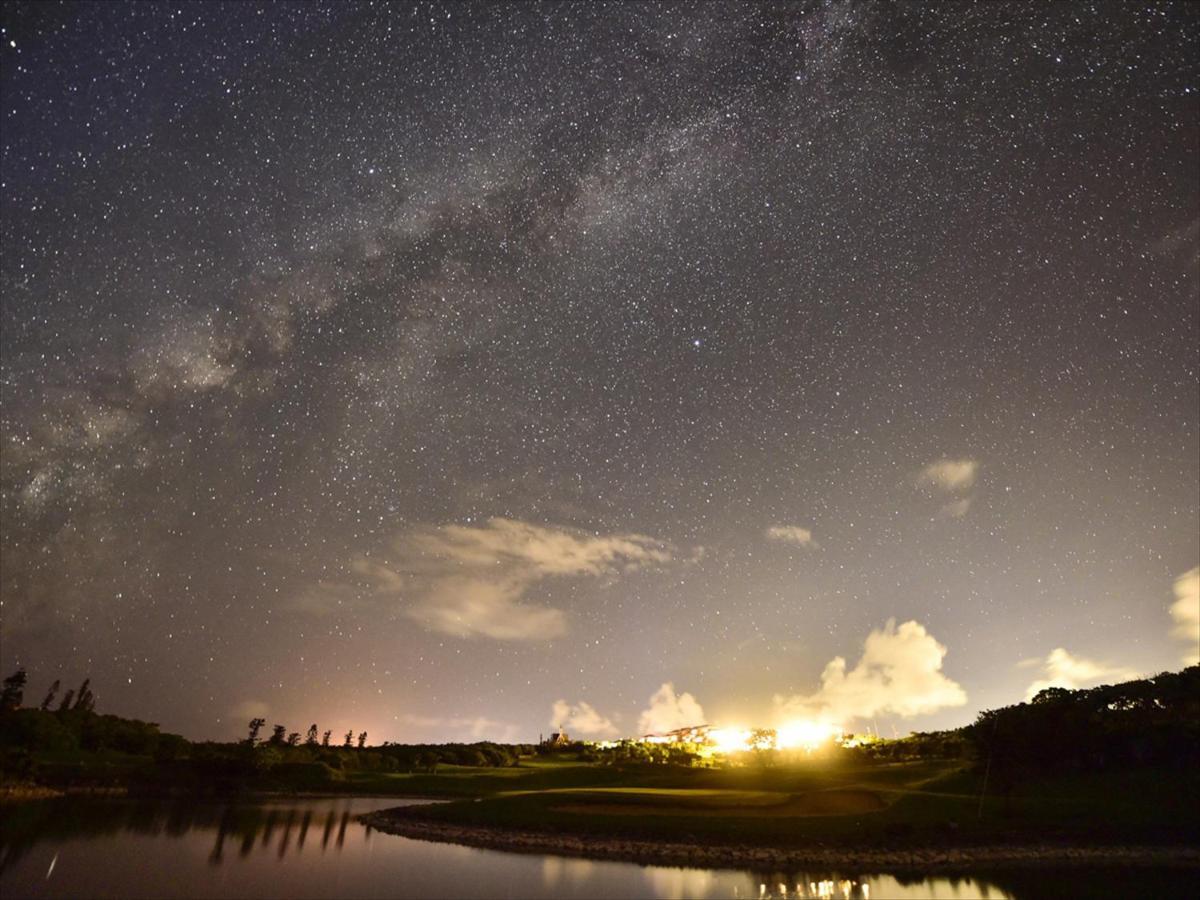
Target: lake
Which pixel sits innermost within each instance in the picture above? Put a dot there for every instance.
(87, 847)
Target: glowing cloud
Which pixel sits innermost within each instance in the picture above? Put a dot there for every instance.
(251, 709)
(581, 720)
(468, 580)
(1061, 669)
(791, 534)
(950, 474)
(668, 711)
(510, 544)
(900, 672)
(1186, 613)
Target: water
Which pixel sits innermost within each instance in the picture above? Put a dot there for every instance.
(315, 848)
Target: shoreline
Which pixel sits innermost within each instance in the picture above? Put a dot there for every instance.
(902, 859)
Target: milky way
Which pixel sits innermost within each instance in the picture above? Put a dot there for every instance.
(457, 371)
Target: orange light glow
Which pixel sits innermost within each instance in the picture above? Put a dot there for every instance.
(804, 734)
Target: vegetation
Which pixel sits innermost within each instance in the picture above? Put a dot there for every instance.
(820, 804)
(72, 747)
(1110, 764)
(1151, 722)
(1114, 764)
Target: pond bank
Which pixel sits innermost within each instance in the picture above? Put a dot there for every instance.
(918, 859)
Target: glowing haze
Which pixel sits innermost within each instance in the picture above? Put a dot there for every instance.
(454, 371)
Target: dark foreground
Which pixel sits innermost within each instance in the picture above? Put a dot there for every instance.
(318, 847)
(412, 822)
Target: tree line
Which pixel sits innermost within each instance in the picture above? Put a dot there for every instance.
(63, 741)
(280, 736)
(1141, 723)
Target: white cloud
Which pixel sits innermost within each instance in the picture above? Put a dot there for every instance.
(792, 534)
(510, 544)
(1061, 669)
(900, 672)
(471, 580)
(950, 474)
(581, 720)
(669, 711)
(1186, 613)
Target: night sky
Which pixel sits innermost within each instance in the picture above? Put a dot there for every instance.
(450, 372)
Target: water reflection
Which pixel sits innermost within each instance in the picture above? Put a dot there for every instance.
(246, 826)
(317, 848)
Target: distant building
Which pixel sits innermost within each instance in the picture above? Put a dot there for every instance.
(558, 739)
(693, 734)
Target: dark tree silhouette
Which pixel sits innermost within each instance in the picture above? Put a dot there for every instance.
(310, 740)
(349, 739)
(85, 700)
(65, 703)
(293, 739)
(362, 740)
(325, 739)
(278, 733)
(14, 690)
(255, 727)
(51, 694)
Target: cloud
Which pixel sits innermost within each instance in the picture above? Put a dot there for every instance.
(471, 580)
(511, 544)
(250, 709)
(955, 509)
(469, 607)
(900, 672)
(950, 474)
(668, 711)
(476, 727)
(792, 534)
(1186, 613)
(581, 720)
(1061, 669)
(326, 597)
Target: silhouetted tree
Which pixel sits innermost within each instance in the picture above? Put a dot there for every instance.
(1149, 721)
(65, 703)
(362, 740)
(278, 733)
(85, 699)
(255, 727)
(50, 695)
(293, 739)
(349, 739)
(325, 739)
(310, 740)
(14, 690)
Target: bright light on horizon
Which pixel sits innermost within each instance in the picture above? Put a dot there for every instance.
(805, 734)
(795, 734)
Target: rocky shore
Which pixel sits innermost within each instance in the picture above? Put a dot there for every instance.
(916, 859)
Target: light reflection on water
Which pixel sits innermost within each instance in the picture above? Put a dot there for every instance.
(317, 848)
(672, 883)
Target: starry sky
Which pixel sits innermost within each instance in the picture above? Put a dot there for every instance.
(450, 371)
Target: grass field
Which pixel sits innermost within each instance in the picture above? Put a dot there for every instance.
(813, 804)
